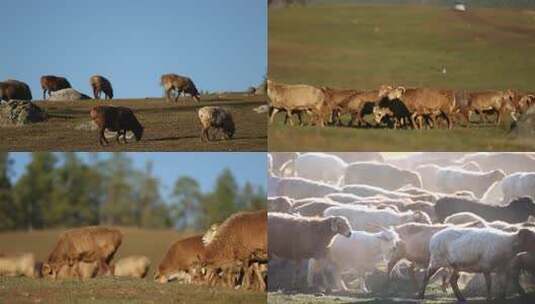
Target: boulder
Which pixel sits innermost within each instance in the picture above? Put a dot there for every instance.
(20, 112)
(67, 95)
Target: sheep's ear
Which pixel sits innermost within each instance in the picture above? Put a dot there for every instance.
(46, 269)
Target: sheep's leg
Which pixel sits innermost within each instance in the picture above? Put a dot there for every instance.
(488, 283)
(453, 282)
(499, 115)
(261, 284)
(275, 111)
(102, 138)
(429, 273)
(44, 94)
(118, 137)
(514, 273)
(124, 136)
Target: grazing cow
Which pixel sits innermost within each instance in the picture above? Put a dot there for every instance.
(50, 83)
(489, 102)
(88, 244)
(217, 118)
(116, 119)
(180, 84)
(99, 85)
(14, 89)
(298, 97)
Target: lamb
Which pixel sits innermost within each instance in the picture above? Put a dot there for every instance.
(320, 167)
(449, 180)
(518, 185)
(480, 250)
(81, 270)
(509, 162)
(381, 175)
(14, 89)
(279, 204)
(367, 219)
(179, 84)
(135, 266)
(297, 188)
(299, 238)
(51, 83)
(516, 211)
(217, 118)
(18, 265)
(101, 84)
(180, 259)
(359, 253)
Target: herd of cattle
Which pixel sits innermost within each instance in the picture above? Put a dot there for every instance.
(122, 119)
(233, 254)
(394, 107)
(348, 215)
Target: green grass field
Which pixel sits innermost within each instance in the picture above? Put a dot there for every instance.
(152, 243)
(364, 46)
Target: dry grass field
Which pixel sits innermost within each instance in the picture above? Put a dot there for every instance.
(168, 126)
(152, 243)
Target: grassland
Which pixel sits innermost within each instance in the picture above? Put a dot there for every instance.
(364, 46)
(152, 243)
(168, 126)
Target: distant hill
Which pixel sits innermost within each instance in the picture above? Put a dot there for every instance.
(472, 3)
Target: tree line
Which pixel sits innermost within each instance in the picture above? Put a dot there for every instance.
(63, 190)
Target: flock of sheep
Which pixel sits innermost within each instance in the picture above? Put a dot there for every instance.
(394, 107)
(122, 119)
(345, 218)
(233, 254)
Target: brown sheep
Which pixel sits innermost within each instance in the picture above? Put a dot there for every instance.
(88, 244)
(18, 265)
(180, 84)
(50, 83)
(14, 89)
(217, 118)
(335, 97)
(99, 85)
(239, 241)
(180, 258)
(80, 270)
(297, 238)
(135, 266)
(116, 119)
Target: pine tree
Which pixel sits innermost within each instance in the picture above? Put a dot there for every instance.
(117, 208)
(223, 201)
(8, 214)
(186, 208)
(33, 191)
(151, 211)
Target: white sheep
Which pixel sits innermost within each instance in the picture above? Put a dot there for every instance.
(382, 175)
(359, 254)
(320, 167)
(18, 265)
(450, 180)
(369, 219)
(518, 185)
(475, 250)
(298, 188)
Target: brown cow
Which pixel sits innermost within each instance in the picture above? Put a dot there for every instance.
(50, 83)
(179, 84)
(116, 119)
(14, 89)
(88, 244)
(99, 85)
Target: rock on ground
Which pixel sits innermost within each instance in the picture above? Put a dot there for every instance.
(20, 112)
(67, 95)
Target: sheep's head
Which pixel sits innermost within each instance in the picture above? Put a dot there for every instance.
(525, 240)
(421, 217)
(138, 133)
(49, 270)
(390, 240)
(379, 113)
(340, 225)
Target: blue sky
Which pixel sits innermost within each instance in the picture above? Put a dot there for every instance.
(204, 167)
(220, 44)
